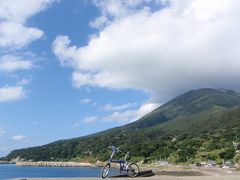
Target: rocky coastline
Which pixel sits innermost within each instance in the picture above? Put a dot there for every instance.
(54, 164)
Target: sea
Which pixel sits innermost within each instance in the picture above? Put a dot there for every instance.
(11, 171)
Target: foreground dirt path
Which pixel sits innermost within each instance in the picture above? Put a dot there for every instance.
(169, 174)
(237, 177)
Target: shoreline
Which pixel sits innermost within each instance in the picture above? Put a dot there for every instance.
(159, 172)
(155, 168)
(54, 164)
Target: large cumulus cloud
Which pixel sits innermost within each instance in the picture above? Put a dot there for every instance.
(185, 45)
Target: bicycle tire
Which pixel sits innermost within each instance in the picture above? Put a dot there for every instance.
(132, 170)
(105, 170)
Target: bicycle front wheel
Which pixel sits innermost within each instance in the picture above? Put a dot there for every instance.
(132, 170)
(105, 170)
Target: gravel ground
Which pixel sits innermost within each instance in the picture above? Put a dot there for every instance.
(170, 174)
(153, 178)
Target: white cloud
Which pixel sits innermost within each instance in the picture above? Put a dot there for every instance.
(90, 120)
(76, 125)
(88, 101)
(99, 22)
(121, 113)
(186, 45)
(11, 93)
(110, 107)
(20, 138)
(87, 120)
(13, 16)
(16, 35)
(130, 115)
(20, 11)
(116, 9)
(85, 101)
(10, 63)
(24, 81)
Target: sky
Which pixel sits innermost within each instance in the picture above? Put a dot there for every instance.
(69, 68)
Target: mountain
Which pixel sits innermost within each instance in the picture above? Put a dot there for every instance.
(198, 125)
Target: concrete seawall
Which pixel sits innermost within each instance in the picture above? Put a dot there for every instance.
(54, 164)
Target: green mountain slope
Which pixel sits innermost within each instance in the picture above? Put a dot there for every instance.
(197, 125)
(189, 103)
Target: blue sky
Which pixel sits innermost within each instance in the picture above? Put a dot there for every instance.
(72, 68)
(48, 107)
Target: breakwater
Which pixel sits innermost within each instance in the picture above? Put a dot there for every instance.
(6, 162)
(54, 164)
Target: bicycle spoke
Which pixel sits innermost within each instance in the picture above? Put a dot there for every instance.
(132, 170)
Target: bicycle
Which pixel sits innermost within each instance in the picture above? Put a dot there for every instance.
(131, 168)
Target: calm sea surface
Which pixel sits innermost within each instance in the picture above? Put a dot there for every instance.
(13, 171)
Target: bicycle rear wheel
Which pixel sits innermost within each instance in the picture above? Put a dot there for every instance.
(132, 170)
(105, 170)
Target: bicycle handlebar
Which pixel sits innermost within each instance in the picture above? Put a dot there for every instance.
(114, 148)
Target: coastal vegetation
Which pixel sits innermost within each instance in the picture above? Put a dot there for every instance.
(199, 125)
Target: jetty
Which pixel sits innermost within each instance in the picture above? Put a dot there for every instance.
(6, 162)
(54, 164)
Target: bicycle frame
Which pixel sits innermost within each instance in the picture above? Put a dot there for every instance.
(123, 163)
(131, 168)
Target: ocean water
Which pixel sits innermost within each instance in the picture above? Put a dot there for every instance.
(10, 171)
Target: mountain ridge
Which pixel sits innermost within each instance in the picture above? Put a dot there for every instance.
(188, 118)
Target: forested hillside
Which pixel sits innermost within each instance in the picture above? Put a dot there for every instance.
(198, 125)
